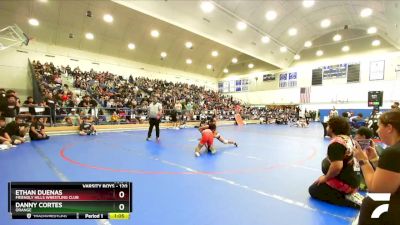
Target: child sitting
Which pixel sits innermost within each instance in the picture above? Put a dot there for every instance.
(87, 127)
(36, 131)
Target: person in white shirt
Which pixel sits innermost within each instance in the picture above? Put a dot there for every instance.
(154, 113)
(333, 113)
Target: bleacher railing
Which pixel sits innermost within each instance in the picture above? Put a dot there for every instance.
(68, 116)
(37, 96)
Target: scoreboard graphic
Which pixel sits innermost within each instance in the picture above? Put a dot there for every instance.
(70, 200)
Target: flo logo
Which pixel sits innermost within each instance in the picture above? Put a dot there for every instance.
(380, 197)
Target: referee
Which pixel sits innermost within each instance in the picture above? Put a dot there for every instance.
(154, 112)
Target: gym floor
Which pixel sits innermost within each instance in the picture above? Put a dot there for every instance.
(263, 181)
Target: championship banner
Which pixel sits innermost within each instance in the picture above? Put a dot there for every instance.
(292, 79)
(283, 80)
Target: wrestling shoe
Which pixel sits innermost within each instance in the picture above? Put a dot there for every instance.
(197, 154)
(213, 150)
(148, 139)
(235, 144)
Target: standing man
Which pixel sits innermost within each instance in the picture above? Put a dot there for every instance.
(154, 112)
(333, 113)
(178, 109)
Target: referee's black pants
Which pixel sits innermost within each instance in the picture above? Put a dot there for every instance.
(154, 122)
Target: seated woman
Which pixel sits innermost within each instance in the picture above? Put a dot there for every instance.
(340, 181)
(386, 178)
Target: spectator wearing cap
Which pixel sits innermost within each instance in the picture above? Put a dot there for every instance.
(73, 119)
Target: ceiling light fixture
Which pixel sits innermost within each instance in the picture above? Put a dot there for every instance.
(214, 53)
(325, 23)
(376, 43)
(319, 53)
(372, 30)
(131, 46)
(33, 22)
(155, 33)
(207, 6)
(188, 61)
(337, 37)
(271, 15)
(226, 70)
(283, 49)
(163, 54)
(108, 18)
(296, 57)
(234, 60)
(189, 45)
(292, 31)
(366, 12)
(308, 3)
(209, 66)
(265, 39)
(241, 25)
(345, 48)
(89, 36)
(251, 66)
(307, 44)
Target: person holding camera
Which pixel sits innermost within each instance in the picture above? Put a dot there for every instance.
(386, 177)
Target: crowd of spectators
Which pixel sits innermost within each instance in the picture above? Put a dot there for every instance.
(128, 99)
(279, 114)
(111, 98)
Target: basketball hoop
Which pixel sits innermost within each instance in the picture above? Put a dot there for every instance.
(12, 36)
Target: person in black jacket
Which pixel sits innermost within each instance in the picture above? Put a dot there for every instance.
(36, 131)
(9, 108)
(16, 130)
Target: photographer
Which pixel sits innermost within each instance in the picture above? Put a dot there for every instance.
(386, 178)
